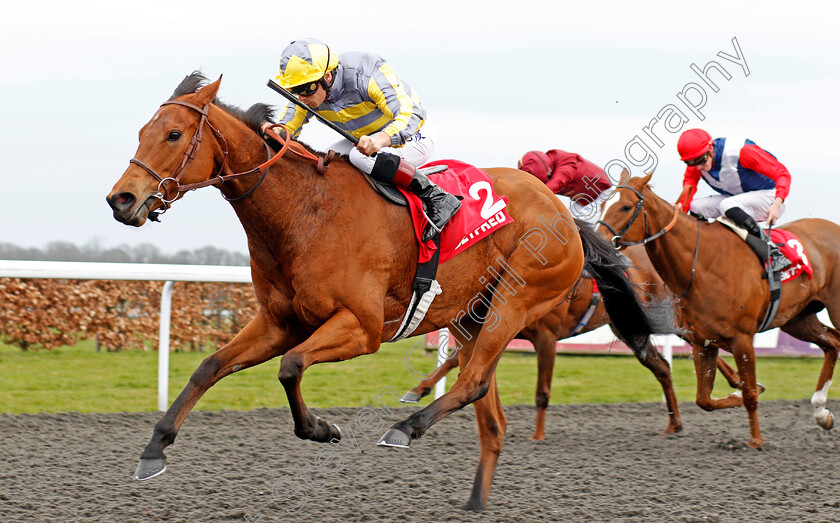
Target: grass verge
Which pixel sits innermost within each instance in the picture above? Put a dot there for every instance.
(80, 379)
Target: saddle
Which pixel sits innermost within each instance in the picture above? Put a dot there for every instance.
(391, 193)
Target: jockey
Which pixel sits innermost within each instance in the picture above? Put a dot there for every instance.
(362, 94)
(567, 174)
(752, 184)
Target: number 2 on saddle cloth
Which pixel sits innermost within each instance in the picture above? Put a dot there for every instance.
(482, 211)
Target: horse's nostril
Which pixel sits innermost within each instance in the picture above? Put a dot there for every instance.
(122, 200)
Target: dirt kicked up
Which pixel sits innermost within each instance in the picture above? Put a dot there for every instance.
(598, 463)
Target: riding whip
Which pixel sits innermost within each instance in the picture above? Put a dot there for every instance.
(292, 98)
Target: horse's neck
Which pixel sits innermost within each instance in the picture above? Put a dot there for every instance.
(277, 214)
(672, 254)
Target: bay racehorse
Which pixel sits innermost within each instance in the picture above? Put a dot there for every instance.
(333, 263)
(724, 298)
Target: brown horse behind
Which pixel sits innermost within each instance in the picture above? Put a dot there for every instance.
(561, 323)
(333, 263)
(727, 298)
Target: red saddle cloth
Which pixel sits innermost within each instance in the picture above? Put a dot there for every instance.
(482, 211)
(793, 249)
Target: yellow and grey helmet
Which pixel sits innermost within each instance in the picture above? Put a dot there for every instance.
(304, 62)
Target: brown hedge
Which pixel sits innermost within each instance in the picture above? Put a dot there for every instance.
(121, 315)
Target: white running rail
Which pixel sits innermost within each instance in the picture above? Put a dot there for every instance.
(134, 272)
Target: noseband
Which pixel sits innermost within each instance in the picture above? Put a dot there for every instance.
(173, 181)
(618, 237)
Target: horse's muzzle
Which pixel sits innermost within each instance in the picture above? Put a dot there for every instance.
(126, 209)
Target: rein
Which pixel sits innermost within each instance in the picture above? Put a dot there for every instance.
(173, 181)
(619, 243)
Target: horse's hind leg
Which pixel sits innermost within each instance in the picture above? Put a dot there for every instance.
(729, 373)
(258, 342)
(809, 328)
(659, 367)
(422, 389)
(507, 312)
(545, 344)
(492, 425)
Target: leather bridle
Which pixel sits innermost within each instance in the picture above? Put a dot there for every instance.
(618, 237)
(172, 182)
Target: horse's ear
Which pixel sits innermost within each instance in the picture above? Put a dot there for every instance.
(646, 179)
(625, 176)
(206, 94)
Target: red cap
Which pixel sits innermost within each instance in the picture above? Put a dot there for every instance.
(693, 143)
(536, 163)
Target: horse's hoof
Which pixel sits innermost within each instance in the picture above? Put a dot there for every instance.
(410, 397)
(149, 468)
(826, 420)
(672, 429)
(395, 438)
(337, 438)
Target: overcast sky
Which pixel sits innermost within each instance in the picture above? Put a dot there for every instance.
(79, 80)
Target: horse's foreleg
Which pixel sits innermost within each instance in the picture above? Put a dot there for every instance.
(259, 341)
(340, 338)
(659, 367)
(744, 353)
(422, 389)
(491, 431)
(732, 377)
(545, 344)
(705, 365)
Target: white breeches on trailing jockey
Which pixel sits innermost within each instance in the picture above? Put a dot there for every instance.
(584, 208)
(754, 203)
(417, 150)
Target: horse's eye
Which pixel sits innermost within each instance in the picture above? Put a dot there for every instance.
(174, 136)
(626, 208)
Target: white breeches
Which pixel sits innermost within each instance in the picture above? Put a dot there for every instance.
(754, 203)
(416, 151)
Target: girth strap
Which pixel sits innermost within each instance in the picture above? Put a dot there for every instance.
(584, 320)
(424, 291)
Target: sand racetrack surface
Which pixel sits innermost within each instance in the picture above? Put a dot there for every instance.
(598, 463)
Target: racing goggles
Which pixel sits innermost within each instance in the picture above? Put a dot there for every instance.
(307, 89)
(698, 161)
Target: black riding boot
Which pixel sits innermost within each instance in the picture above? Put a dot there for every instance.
(440, 205)
(758, 240)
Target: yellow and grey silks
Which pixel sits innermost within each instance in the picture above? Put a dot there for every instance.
(366, 97)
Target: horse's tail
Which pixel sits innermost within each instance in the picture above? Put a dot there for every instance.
(633, 320)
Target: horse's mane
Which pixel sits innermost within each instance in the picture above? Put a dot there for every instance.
(252, 117)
